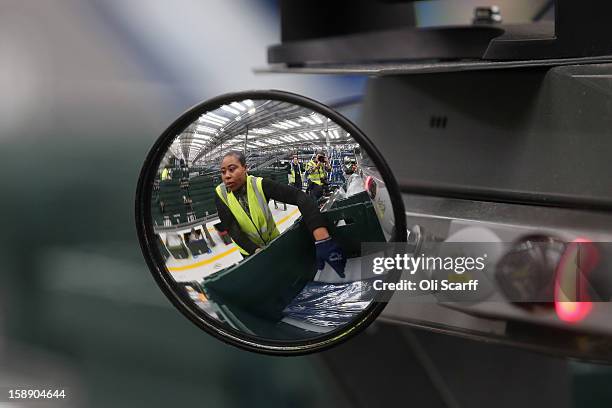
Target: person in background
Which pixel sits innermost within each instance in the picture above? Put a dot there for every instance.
(242, 205)
(295, 173)
(316, 170)
(165, 175)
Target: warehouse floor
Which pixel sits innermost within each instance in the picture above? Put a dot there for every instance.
(221, 255)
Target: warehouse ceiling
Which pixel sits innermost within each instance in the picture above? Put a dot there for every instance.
(260, 128)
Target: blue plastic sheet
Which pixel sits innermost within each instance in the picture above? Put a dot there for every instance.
(330, 304)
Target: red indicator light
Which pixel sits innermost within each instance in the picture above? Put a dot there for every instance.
(573, 312)
(571, 283)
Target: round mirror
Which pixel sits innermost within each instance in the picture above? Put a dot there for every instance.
(252, 209)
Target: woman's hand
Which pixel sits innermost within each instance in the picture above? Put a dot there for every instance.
(320, 233)
(330, 252)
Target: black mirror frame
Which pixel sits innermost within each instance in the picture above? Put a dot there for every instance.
(181, 300)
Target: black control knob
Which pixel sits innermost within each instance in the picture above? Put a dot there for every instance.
(526, 273)
(541, 271)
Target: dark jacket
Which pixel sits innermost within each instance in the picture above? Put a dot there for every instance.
(272, 190)
(296, 168)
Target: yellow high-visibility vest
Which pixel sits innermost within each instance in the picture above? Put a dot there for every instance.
(258, 225)
(315, 174)
(165, 174)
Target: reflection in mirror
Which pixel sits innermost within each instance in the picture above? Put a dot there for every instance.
(260, 208)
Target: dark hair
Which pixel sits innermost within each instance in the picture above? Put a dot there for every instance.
(238, 155)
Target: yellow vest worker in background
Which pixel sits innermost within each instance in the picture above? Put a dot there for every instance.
(316, 170)
(242, 205)
(165, 175)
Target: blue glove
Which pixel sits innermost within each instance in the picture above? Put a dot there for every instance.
(328, 251)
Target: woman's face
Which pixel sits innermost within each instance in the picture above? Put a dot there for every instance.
(233, 173)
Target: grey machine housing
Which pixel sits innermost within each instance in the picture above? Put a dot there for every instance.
(507, 128)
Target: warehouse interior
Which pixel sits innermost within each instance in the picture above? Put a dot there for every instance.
(88, 88)
(270, 133)
(196, 246)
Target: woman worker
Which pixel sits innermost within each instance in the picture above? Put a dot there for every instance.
(242, 205)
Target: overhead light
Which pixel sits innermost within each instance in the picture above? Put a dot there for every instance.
(238, 106)
(303, 136)
(335, 132)
(219, 121)
(230, 110)
(261, 131)
(280, 126)
(215, 116)
(211, 121)
(323, 133)
(307, 120)
(206, 129)
(238, 118)
(251, 111)
(292, 123)
(316, 118)
(248, 102)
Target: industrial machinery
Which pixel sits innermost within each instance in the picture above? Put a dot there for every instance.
(501, 132)
(494, 134)
(491, 127)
